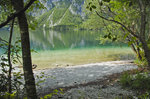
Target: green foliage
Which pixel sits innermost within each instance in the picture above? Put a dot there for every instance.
(6, 9)
(37, 5)
(58, 13)
(8, 96)
(43, 18)
(41, 78)
(141, 63)
(140, 81)
(3, 76)
(55, 92)
(120, 18)
(16, 80)
(70, 19)
(93, 22)
(59, 16)
(91, 5)
(124, 97)
(144, 96)
(125, 79)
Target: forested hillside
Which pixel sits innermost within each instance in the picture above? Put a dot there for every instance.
(62, 12)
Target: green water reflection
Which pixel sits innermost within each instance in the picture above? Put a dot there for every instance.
(47, 39)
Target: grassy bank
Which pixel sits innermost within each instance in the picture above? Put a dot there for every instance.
(61, 58)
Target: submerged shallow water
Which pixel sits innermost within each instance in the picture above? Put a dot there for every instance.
(63, 58)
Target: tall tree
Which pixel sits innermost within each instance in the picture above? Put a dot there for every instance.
(130, 15)
(26, 54)
(8, 14)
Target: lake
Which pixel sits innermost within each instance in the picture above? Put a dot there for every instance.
(59, 48)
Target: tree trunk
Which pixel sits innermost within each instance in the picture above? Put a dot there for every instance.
(146, 52)
(142, 5)
(9, 58)
(26, 54)
(138, 50)
(135, 48)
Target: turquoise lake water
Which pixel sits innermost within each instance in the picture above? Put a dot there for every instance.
(71, 47)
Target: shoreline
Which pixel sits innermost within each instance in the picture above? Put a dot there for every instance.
(74, 77)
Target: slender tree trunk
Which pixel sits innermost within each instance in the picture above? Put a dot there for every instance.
(9, 57)
(26, 54)
(135, 48)
(138, 50)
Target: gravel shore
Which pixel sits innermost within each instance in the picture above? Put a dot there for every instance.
(82, 74)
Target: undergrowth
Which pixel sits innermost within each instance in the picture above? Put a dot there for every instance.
(138, 82)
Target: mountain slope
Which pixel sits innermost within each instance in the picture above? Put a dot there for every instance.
(62, 12)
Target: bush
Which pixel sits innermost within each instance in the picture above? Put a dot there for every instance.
(139, 81)
(141, 63)
(125, 79)
(144, 96)
(55, 92)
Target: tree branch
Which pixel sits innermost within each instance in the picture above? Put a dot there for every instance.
(13, 15)
(119, 24)
(3, 40)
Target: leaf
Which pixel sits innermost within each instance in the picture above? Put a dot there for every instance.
(101, 3)
(56, 91)
(129, 43)
(133, 38)
(3, 64)
(93, 6)
(4, 59)
(61, 89)
(126, 35)
(90, 3)
(105, 36)
(18, 41)
(109, 36)
(90, 9)
(114, 39)
(15, 61)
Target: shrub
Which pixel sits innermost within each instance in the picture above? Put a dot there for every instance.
(139, 81)
(125, 79)
(141, 63)
(55, 92)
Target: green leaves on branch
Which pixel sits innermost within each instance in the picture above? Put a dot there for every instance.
(91, 6)
(36, 5)
(55, 92)
(109, 36)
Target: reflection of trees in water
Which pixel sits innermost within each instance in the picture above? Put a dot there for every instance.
(53, 39)
(82, 43)
(45, 39)
(53, 34)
